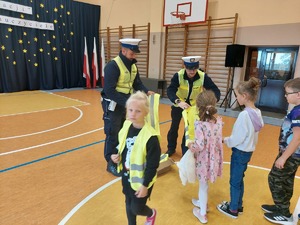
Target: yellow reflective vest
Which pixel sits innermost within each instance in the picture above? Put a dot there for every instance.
(138, 154)
(126, 78)
(190, 115)
(183, 89)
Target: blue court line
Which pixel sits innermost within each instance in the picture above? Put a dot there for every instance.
(50, 156)
(58, 154)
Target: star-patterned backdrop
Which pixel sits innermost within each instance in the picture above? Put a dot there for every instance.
(45, 59)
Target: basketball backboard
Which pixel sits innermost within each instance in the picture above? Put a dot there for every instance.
(178, 12)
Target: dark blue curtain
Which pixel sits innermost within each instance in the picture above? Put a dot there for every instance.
(36, 59)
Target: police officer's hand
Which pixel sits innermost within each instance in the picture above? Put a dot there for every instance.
(183, 105)
(150, 93)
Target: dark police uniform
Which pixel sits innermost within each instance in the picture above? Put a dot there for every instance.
(113, 120)
(176, 112)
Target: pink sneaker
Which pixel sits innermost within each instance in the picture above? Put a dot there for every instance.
(202, 219)
(151, 220)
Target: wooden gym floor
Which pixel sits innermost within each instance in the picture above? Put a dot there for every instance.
(53, 170)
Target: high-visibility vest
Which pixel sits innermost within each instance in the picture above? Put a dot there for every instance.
(126, 78)
(137, 156)
(153, 115)
(183, 89)
(190, 115)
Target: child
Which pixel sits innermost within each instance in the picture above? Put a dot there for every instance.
(208, 149)
(243, 140)
(138, 158)
(282, 175)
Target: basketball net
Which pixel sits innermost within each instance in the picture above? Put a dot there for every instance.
(177, 18)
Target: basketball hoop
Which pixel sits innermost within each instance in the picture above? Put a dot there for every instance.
(177, 17)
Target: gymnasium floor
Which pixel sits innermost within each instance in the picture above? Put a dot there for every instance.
(53, 170)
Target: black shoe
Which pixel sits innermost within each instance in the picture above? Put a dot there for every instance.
(112, 168)
(279, 218)
(269, 208)
(170, 152)
(224, 208)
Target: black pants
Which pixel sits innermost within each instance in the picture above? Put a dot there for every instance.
(135, 206)
(176, 115)
(113, 122)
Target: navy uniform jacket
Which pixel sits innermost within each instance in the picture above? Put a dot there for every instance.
(208, 85)
(111, 76)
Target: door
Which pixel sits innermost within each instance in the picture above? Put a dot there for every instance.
(273, 66)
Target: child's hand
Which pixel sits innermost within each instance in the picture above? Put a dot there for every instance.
(191, 146)
(115, 158)
(279, 163)
(141, 192)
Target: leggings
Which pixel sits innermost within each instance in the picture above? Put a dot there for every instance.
(202, 195)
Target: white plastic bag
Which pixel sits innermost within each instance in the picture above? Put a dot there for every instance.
(187, 168)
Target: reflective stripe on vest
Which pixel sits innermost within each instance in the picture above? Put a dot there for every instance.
(126, 79)
(137, 157)
(183, 89)
(190, 115)
(153, 115)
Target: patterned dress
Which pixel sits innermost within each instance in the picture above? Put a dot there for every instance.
(209, 150)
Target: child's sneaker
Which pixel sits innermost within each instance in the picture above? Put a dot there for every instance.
(151, 220)
(240, 210)
(279, 218)
(269, 208)
(202, 219)
(224, 208)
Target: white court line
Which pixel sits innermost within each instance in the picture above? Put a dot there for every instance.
(49, 143)
(72, 99)
(296, 212)
(78, 206)
(48, 130)
(89, 197)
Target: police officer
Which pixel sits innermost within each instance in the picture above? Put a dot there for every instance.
(185, 85)
(121, 78)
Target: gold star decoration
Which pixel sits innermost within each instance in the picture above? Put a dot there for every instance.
(3, 47)
(25, 33)
(55, 58)
(55, 9)
(55, 21)
(41, 50)
(64, 49)
(68, 13)
(28, 42)
(53, 36)
(62, 6)
(54, 49)
(13, 51)
(42, 5)
(6, 36)
(35, 39)
(20, 41)
(7, 57)
(14, 62)
(37, 16)
(28, 60)
(10, 29)
(48, 42)
(24, 50)
(71, 33)
(22, 16)
(36, 64)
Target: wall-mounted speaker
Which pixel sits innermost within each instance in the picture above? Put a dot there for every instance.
(235, 55)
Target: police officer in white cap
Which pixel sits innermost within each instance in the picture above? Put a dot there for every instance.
(121, 78)
(185, 85)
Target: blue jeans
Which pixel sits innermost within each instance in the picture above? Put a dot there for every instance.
(238, 166)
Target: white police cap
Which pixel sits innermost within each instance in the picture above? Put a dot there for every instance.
(131, 43)
(191, 62)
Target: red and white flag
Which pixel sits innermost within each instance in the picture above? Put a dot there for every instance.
(86, 68)
(102, 62)
(95, 67)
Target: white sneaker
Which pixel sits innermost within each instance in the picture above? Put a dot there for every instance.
(202, 219)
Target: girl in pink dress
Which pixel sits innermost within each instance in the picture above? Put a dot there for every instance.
(208, 150)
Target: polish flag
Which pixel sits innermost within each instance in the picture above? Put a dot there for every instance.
(102, 62)
(86, 68)
(95, 65)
